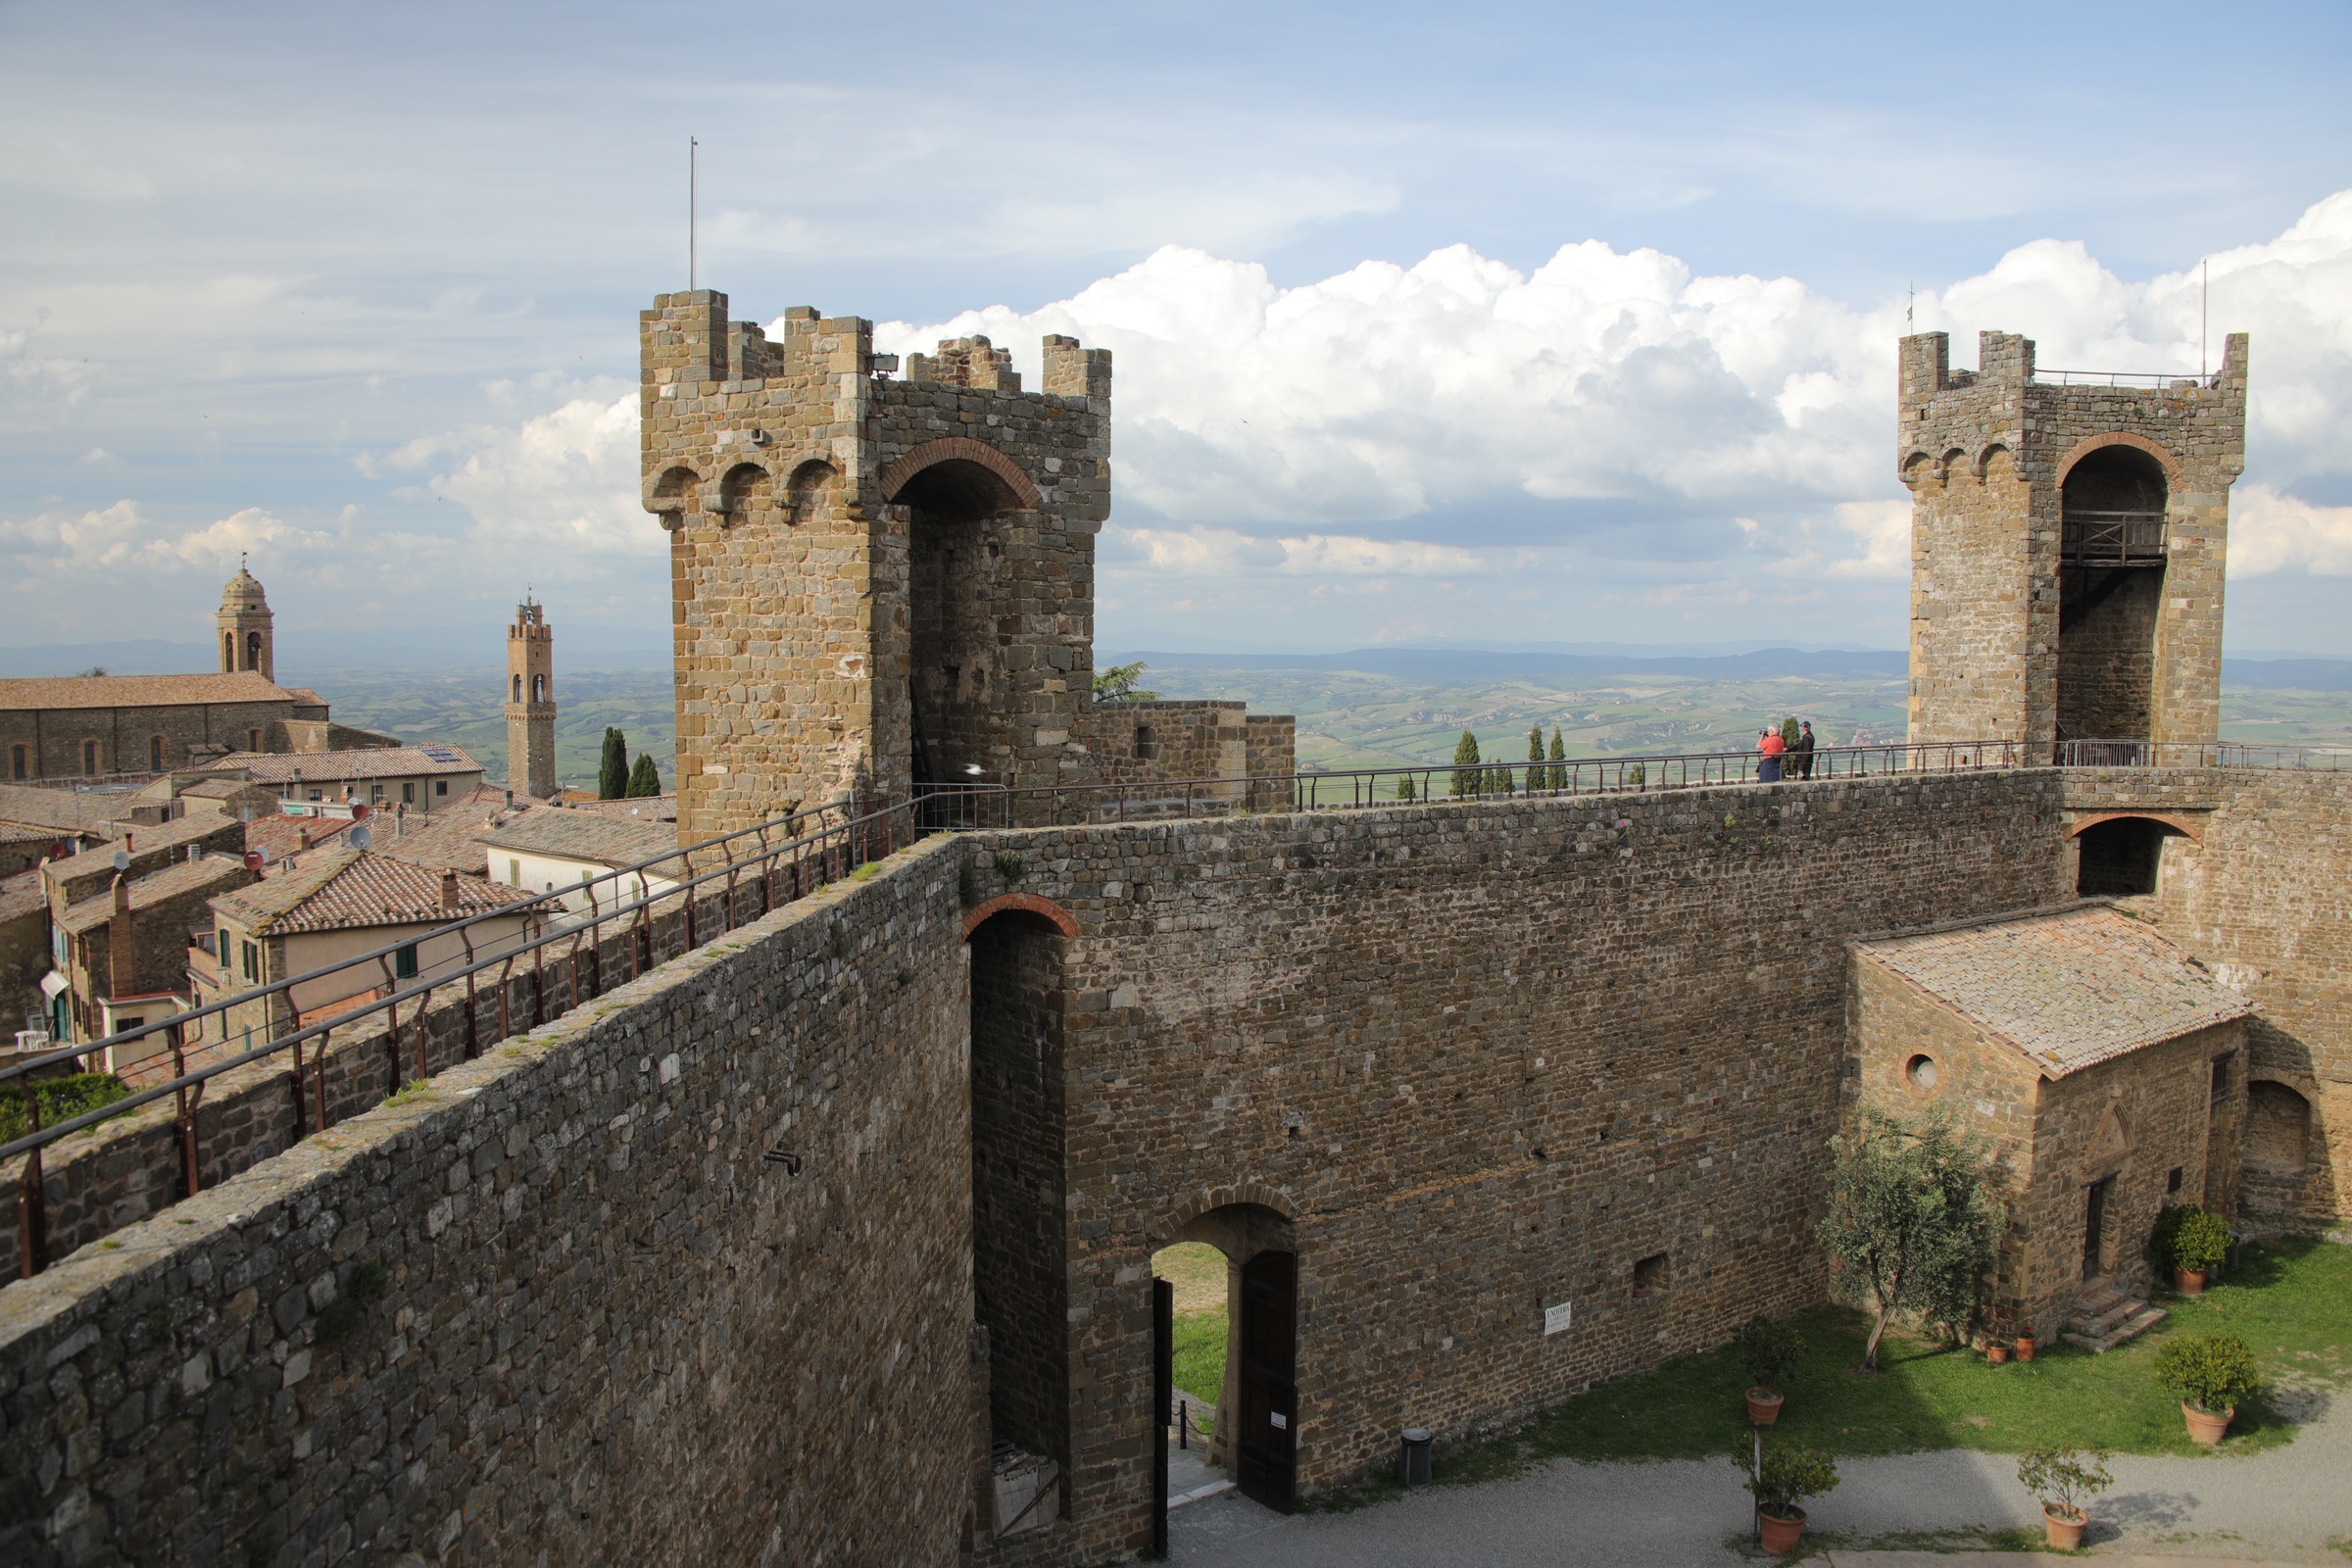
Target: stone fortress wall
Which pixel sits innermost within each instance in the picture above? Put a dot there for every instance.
(558, 1309)
(2008, 643)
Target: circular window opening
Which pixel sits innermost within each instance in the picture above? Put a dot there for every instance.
(1921, 1070)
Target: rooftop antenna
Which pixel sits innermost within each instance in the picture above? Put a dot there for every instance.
(692, 159)
(1910, 308)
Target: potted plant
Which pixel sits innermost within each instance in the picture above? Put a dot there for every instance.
(2025, 1343)
(2200, 1240)
(1769, 1352)
(2212, 1373)
(2063, 1480)
(1785, 1478)
(1996, 1348)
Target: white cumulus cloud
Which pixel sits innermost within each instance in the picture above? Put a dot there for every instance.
(2271, 533)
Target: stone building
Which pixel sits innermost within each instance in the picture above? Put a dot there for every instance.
(2102, 1067)
(879, 581)
(248, 631)
(126, 953)
(531, 702)
(420, 778)
(2068, 538)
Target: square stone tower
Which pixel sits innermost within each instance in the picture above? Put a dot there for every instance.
(875, 580)
(531, 702)
(2068, 537)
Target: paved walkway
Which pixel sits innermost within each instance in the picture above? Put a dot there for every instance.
(2283, 1506)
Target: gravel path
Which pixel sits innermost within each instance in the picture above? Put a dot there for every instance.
(2283, 1506)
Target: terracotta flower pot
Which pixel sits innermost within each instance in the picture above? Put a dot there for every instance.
(2064, 1533)
(2189, 1280)
(1996, 1353)
(1781, 1535)
(2025, 1345)
(2207, 1426)
(1763, 1407)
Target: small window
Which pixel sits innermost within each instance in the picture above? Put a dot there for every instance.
(317, 795)
(90, 757)
(408, 792)
(252, 956)
(130, 1021)
(519, 688)
(513, 873)
(440, 786)
(18, 761)
(1649, 1275)
(1146, 744)
(538, 688)
(229, 652)
(2172, 1180)
(155, 754)
(253, 650)
(221, 945)
(375, 792)
(252, 740)
(404, 962)
(1920, 1073)
(2220, 1075)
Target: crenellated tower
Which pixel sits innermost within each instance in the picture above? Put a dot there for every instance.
(531, 701)
(2069, 532)
(876, 580)
(248, 638)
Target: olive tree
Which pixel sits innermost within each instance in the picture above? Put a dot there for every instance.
(1911, 1226)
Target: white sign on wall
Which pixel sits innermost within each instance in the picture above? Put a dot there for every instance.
(1557, 1318)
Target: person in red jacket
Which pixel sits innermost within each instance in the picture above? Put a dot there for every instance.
(1769, 746)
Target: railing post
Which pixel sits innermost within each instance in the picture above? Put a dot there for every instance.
(299, 1133)
(190, 1174)
(33, 1217)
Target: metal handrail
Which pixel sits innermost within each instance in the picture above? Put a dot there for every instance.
(2095, 753)
(2162, 380)
(842, 833)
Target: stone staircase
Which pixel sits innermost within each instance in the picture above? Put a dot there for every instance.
(2106, 1317)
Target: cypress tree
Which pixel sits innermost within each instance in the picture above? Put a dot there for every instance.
(645, 776)
(1559, 775)
(1465, 779)
(613, 778)
(1404, 787)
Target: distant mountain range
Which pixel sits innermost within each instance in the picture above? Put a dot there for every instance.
(1439, 662)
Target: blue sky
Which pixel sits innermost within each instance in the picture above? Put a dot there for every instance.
(1558, 321)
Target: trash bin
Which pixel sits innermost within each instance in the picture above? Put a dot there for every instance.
(1416, 1457)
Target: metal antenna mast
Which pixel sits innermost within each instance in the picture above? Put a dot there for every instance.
(691, 172)
(2204, 304)
(1910, 307)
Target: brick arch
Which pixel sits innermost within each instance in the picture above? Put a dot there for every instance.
(1916, 466)
(948, 449)
(1257, 1193)
(1022, 903)
(2179, 824)
(2122, 438)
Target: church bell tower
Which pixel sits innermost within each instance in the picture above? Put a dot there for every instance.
(247, 640)
(531, 702)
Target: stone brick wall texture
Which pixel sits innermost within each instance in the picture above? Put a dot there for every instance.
(2263, 894)
(1483, 1057)
(1984, 452)
(558, 1309)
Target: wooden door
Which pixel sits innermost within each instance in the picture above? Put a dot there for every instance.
(2094, 1225)
(1163, 1374)
(1267, 1440)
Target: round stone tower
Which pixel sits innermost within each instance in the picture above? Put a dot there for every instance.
(247, 640)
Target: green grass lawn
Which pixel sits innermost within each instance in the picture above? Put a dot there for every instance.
(1200, 1355)
(2291, 1301)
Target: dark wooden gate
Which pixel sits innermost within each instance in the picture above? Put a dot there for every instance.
(1163, 1374)
(2094, 1225)
(1264, 1465)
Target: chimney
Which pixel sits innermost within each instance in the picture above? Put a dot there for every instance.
(122, 974)
(301, 838)
(449, 893)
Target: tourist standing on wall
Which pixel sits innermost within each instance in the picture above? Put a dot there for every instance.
(1769, 746)
(1803, 750)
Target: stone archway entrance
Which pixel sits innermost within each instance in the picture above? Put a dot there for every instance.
(1254, 1436)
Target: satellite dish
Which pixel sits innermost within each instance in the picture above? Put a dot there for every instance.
(255, 859)
(358, 838)
(359, 811)
(122, 860)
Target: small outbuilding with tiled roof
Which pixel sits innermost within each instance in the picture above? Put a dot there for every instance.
(421, 778)
(567, 851)
(2103, 1067)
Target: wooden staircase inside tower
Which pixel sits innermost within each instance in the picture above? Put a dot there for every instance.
(2107, 1315)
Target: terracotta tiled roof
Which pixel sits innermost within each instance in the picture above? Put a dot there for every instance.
(2068, 989)
(21, 895)
(20, 833)
(143, 839)
(139, 691)
(347, 890)
(281, 836)
(336, 767)
(181, 876)
(83, 811)
(451, 839)
(641, 809)
(585, 836)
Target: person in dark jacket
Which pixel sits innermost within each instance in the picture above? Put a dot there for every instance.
(1801, 753)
